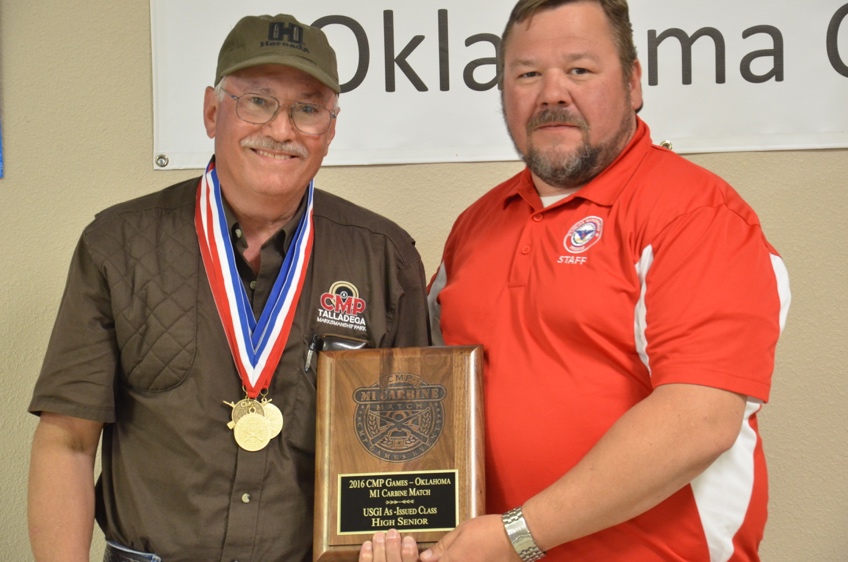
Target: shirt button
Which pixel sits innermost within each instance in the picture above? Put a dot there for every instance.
(245, 498)
(239, 233)
(525, 250)
(537, 218)
(253, 285)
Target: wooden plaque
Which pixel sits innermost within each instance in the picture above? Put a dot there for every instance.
(399, 445)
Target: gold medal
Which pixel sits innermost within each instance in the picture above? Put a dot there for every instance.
(252, 431)
(254, 423)
(274, 417)
(242, 408)
(255, 365)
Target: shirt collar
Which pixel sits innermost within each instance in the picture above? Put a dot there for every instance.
(281, 238)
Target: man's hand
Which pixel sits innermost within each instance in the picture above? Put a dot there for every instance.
(388, 547)
(482, 539)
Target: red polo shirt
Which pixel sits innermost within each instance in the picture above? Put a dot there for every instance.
(655, 272)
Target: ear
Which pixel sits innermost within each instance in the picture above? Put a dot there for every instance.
(635, 85)
(210, 111)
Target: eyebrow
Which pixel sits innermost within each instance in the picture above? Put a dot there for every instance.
(312, 95)
(574, 57)
(307, 92)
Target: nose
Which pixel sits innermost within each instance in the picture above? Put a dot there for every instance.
(555, 89)
(281, 128)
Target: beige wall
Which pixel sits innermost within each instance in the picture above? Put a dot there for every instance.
(75, 84)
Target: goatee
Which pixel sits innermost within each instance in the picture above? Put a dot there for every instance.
(564, 168)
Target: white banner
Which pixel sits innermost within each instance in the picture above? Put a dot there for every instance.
(418, 79)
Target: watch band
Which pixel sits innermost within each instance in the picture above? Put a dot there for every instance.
(520, 537)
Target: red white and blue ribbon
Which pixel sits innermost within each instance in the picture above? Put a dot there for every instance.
(256, 345)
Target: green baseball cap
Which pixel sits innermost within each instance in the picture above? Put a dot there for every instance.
(279, 39)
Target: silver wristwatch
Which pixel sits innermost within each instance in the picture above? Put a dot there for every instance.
(520, 537)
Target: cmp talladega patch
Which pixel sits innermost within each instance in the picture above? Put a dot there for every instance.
(399, 418)
(342, 306)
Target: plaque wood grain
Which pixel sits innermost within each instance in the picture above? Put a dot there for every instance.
(340, 451)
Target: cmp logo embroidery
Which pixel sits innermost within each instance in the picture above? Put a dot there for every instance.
(341, 306)
(584, 235)
(399, 418)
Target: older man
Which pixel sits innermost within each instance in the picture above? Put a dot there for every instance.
(187, 332)
(629, 306)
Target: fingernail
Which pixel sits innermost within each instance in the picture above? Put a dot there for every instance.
(380, 538)
(425, 555)
(393, 534)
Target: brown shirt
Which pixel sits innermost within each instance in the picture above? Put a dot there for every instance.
(138, 344)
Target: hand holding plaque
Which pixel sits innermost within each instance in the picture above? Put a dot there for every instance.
(399, 445)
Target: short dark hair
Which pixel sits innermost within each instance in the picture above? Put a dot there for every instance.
(616, 11)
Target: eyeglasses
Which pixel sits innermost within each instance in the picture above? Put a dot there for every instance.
(260, 109)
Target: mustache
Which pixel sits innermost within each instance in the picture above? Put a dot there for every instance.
(267, 143)
(558, 115)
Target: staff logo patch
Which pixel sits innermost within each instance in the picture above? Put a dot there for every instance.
(584, 235)
(399, 418)
(342, 306)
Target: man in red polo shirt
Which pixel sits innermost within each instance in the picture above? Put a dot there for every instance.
(629, 306)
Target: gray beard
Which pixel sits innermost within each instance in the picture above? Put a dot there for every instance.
(566, 170)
